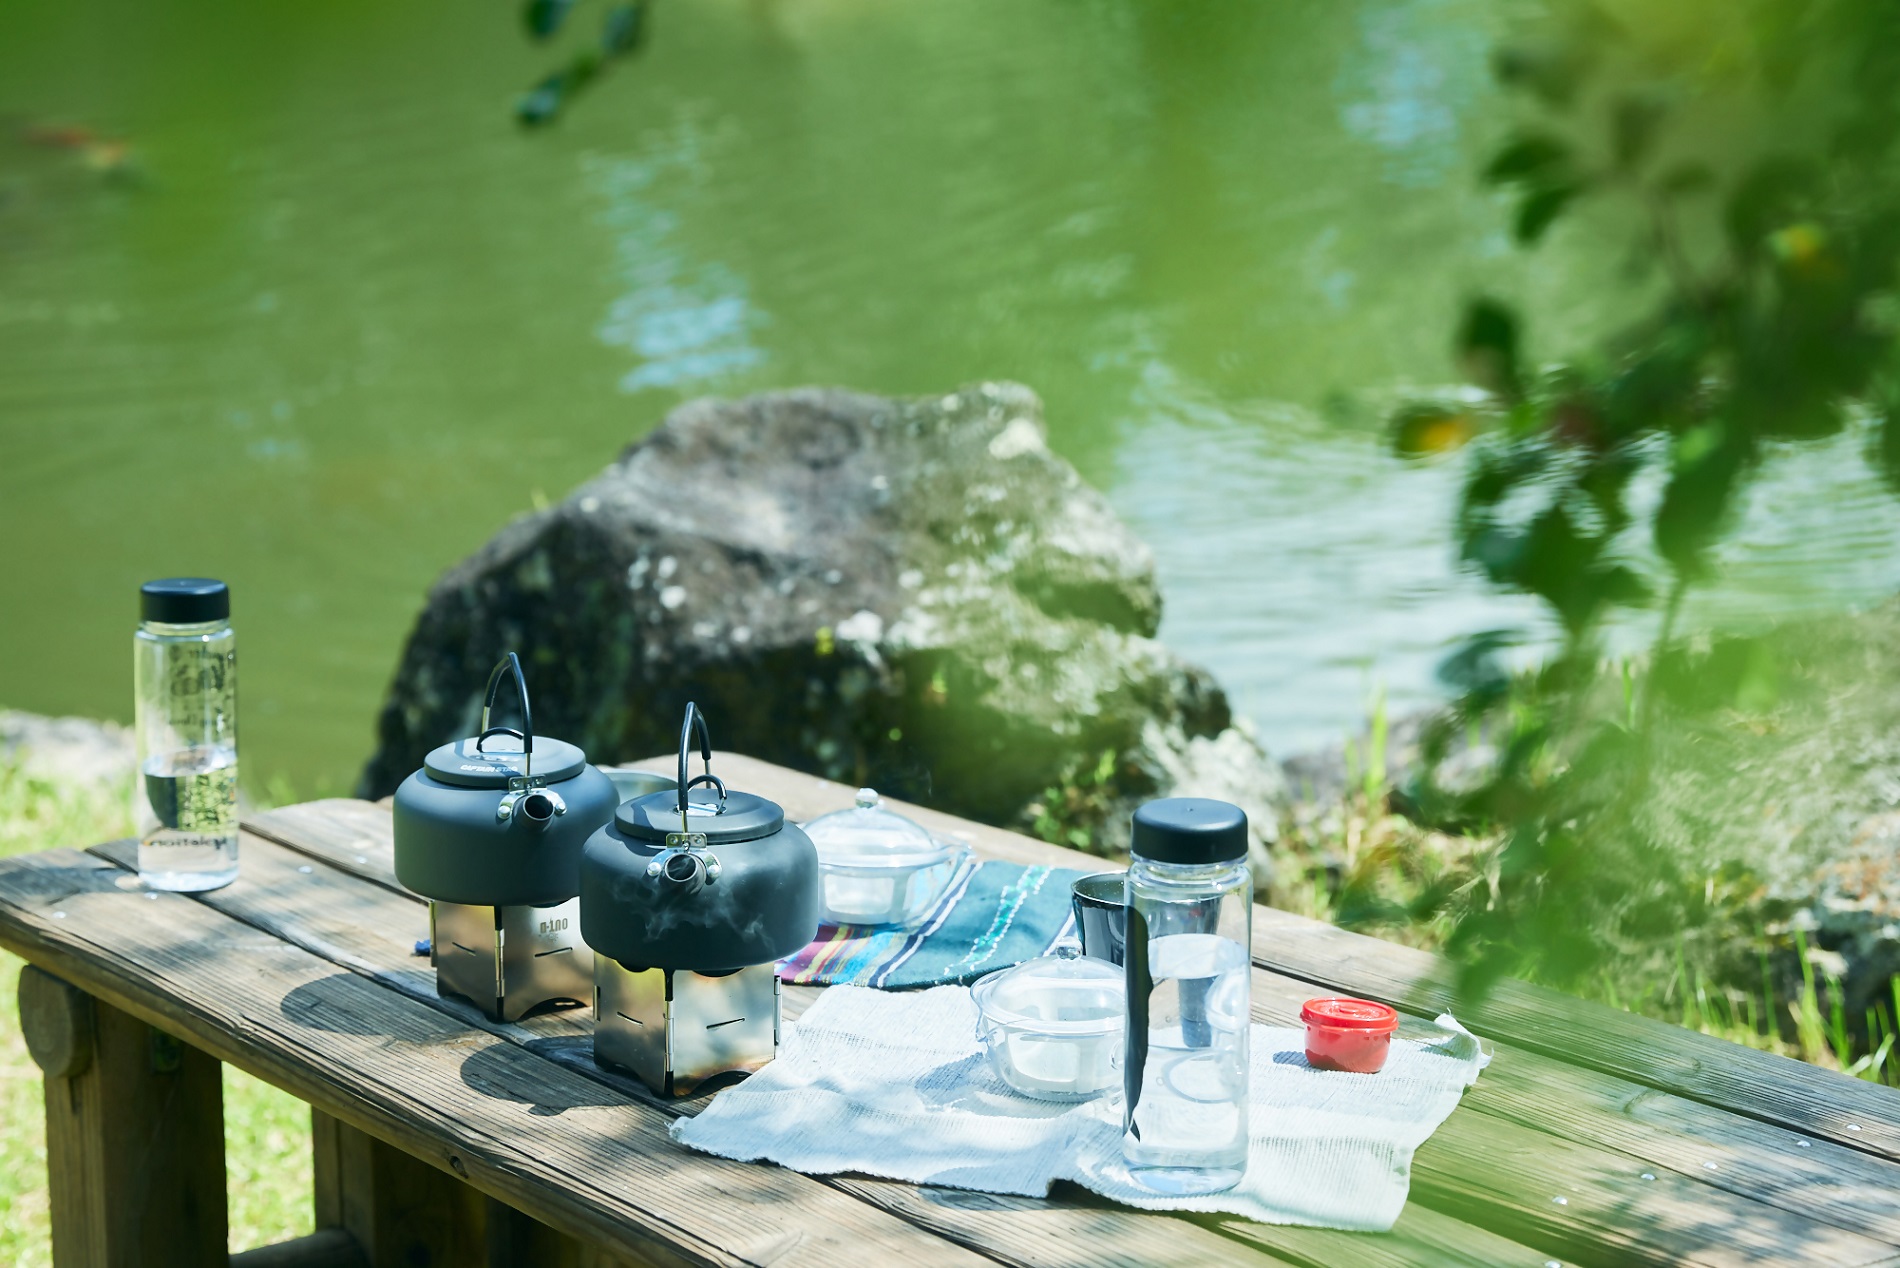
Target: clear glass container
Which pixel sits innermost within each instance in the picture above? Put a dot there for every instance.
(880, 869)
(1188, 964)
(185, 682)
(1053, 1025)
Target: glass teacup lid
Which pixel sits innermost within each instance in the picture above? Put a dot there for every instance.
(1063, 993)
(879, 867)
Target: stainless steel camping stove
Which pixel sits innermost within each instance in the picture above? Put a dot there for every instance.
(676, 1028)
(510, 959)
(490, 831)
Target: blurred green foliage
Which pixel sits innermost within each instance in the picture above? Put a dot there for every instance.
(1744, 153)
(621, 32)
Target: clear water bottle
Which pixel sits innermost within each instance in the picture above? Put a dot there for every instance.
(1188, 957)
(184, 671)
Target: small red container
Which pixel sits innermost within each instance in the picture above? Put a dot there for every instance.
(1348, 1034)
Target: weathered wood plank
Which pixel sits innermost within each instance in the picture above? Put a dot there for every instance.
(1660, 1131)
(591, 1161)
(1689, 1216)
(325, 1248)
(365, 930)
(1422, 1236)
(402, 1211)
(326, 1170)
(1277, 1000)
(134, 1134)
(56, 1021)
(352, 836)
(368, 929)
(1851, 1112)
(351, 1169)
(1594, 1207)
(1756, 1159)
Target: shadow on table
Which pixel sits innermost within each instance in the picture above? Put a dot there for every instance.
(507, 1072)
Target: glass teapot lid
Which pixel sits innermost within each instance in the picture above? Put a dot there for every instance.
(869, 836)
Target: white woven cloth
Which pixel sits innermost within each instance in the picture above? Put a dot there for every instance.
(896, 1085)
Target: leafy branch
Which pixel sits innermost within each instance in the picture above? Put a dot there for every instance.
(1767, 259)
(621, 32)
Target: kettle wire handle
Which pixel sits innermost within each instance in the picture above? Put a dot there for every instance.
(695, 720)
(511, 664)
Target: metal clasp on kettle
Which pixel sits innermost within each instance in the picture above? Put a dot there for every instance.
(686, 858)
(532, 796)
(527, 792)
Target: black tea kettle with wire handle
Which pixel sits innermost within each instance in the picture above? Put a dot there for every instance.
(499, 818)
(699, 877)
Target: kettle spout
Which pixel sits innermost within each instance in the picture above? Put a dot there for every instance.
(536, 807)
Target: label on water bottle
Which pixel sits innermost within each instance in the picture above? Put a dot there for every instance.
(188, 819)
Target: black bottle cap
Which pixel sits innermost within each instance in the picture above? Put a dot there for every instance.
(184, 601)
(1190, 830)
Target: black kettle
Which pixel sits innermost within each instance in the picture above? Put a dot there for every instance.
(700, 877)
(499, 818)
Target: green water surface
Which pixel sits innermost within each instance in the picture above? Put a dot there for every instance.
(350, 319)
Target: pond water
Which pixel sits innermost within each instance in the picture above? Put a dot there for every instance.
(350, 319)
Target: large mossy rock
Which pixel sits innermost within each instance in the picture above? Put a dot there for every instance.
(913, 594)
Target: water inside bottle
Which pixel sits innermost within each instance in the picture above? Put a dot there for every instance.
(188, 819)
(1190, 1123)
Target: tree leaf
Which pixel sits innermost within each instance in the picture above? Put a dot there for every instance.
(1883, 445)
(1772, 194)
(1622, 586)
(1474, 668)
(1528, 156)
(1427, 429)
(1685, 178)
(542, 103)
(623, 30)
(1705, 467)
(1634, 122)
(1550, 69)
(1561, 565)
(544, 17)
(1487, 347)
(1540, 209)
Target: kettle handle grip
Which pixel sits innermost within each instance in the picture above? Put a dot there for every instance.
(695, 720)
(511, 664)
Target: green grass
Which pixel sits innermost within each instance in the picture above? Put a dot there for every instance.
(1358, 847)
(266, 1132)
(1355, 863)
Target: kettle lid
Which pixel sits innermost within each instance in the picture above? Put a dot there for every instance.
(735, 816)
(499, 754)
(500, 758)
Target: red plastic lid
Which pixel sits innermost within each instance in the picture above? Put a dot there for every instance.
(1350, 1014)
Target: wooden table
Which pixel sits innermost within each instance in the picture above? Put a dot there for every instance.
(441, 1138)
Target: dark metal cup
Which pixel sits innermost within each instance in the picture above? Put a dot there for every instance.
(1099, 907)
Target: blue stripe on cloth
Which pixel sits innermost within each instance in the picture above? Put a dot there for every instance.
(992, 915)
(1008, 913)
